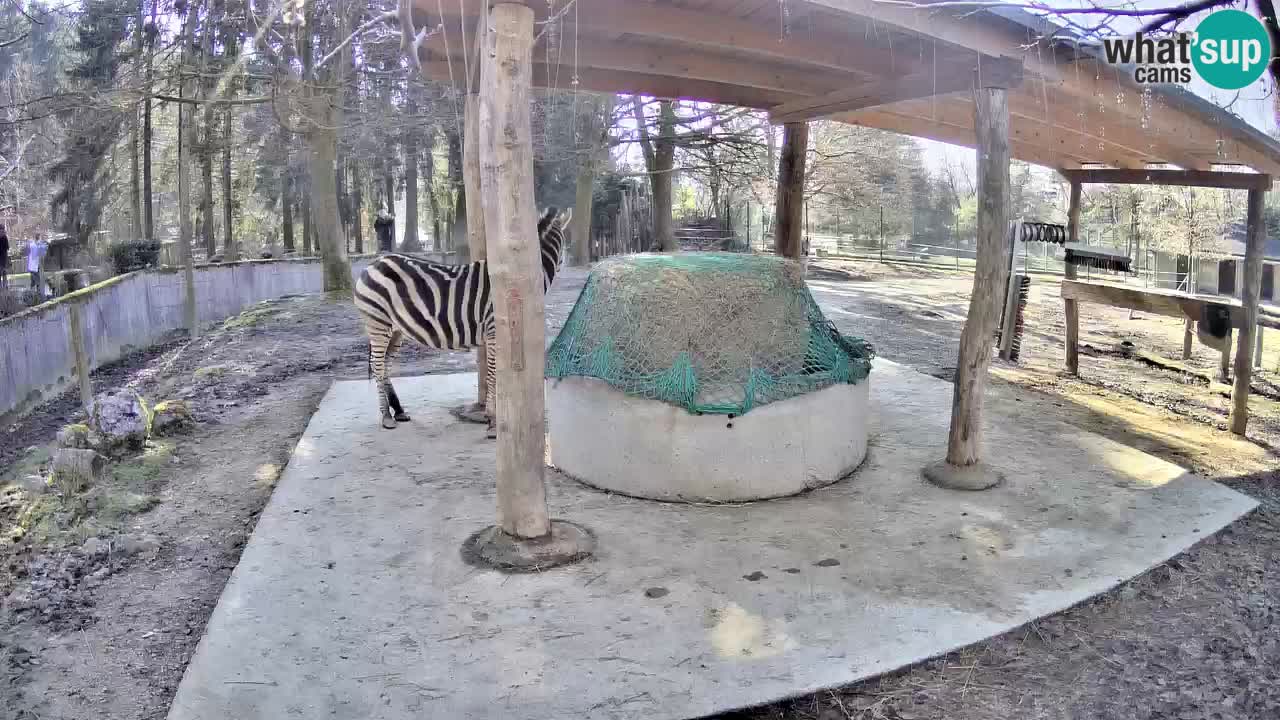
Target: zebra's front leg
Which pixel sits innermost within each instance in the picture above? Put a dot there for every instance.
(491, 376)
(397, 338)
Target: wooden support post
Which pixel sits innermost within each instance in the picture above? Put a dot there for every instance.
(475, 228)
(515, 269)
(962, 469)
(81, 353)
(1249, 299)
(1257, 349)
(1071, 309)
(524, 538)
(1188, 332)
(789, 202)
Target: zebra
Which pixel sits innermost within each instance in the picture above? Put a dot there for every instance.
(446, 307)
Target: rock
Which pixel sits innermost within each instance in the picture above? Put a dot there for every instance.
(73, 470)
(75, 435)
(34, 484)
(122, 423)
(138, 544)
(170, 418)
(94, 546)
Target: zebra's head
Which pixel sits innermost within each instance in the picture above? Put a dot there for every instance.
(551, 227)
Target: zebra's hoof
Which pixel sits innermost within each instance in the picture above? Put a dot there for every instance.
(491, 433)
(388, 422)
(402, 417)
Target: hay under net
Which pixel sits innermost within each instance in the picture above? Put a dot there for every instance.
(717, 333)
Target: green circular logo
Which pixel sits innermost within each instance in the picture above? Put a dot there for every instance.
(1231, 49)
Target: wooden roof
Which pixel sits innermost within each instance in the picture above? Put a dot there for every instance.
(871, 63)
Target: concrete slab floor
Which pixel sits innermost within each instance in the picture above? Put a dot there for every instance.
(352, 600)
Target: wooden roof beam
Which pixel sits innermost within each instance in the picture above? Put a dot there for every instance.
(595, 54)
(1173, 126)
(1186, 178)
(882, 119)
(955, 78)
(958, 111)
(706, 29)
(609, 81)
(1097, 85)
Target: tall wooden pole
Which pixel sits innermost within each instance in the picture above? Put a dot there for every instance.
(1249, 298)
(515, 268)
(525, 538)
(962, 470)
(475, 222)
(1070, 307)
(789, 202)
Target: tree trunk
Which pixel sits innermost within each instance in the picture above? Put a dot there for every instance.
(457, 232)
(135, 174)
(186, 137)
(788, 227)
(433, 202)
(206, 146)
(389, 192)
(324, 190)
(286, 207)
(206, 175)
(148, 208)
(325, 112)
(135, 179)
(596, 133)
(229, 246)
(662, 177)
(411, 242)
(307, 248)
(357, 203)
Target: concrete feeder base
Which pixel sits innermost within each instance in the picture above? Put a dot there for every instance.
(649, 449)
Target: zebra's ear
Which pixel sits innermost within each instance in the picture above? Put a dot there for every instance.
(565, 218)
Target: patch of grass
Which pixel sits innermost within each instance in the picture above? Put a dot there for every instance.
(30, 464)
(249, 318)
(55, 520)
(142, 471)
(39, 520)
(209, 371)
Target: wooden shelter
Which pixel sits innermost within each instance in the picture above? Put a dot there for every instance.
(1001, 80)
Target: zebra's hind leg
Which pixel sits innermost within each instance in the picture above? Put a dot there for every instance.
(393, 344)
(491, 374)
(379, 341)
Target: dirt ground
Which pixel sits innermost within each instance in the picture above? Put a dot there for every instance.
(105, 601)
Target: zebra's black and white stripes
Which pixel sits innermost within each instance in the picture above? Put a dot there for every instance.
(446, 307)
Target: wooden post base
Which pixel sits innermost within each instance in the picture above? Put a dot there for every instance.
(473, 413)
(493, 548)
(978, 476)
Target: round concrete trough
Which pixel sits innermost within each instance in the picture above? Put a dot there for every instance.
(650, 449)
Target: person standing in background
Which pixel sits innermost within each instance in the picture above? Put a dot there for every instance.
(35, 259)
(4, 258)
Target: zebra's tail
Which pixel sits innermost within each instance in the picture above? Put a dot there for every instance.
(369, 359)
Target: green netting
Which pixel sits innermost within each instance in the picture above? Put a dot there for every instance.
(717, 333)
